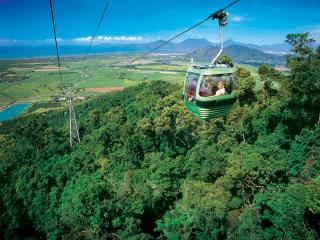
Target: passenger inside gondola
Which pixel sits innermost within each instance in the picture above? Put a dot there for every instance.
(217, 85)
(221, 89)
(191, 86)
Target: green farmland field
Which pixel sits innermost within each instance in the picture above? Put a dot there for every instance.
(35, 80)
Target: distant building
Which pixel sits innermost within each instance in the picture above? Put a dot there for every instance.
(61, 99)
(81, 98)
(56, 99)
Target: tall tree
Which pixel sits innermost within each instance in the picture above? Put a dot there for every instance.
(245, 86)
(301, 45)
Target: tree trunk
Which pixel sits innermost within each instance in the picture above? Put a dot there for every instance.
(243, 136)
(319, 120)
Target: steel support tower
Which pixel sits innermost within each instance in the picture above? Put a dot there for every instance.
(73, 126)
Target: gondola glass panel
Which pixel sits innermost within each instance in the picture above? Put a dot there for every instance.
(191, 86)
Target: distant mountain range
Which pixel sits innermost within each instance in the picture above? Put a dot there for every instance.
(277, 49)
(203, 50)
(238, 54)
(186, 46)
(200, 49)
(192, 44)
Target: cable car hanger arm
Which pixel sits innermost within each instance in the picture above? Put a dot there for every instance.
(223, 21)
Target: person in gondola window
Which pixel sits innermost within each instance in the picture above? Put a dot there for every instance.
(203, 90)
(192, 90)
(221, 89)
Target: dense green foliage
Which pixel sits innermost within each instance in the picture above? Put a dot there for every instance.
(147, 169)
(224, 59)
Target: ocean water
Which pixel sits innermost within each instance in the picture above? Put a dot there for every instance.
(13, 52)
(12, 111)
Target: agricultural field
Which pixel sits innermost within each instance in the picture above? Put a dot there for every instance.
(35, 80)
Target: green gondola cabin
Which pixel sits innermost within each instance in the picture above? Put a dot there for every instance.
(201, 92)
(209, 91)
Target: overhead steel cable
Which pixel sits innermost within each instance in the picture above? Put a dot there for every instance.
(168, 41)
(55, 39)
(67, 91)
(212, 16)
(95, 33)
(228, 6)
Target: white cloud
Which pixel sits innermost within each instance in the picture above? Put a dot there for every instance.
(8, 42)
(237, 19)
(16, 42)
(76, 41)
(4, 42)
(49, 40)
(82, 39)
(110, 39)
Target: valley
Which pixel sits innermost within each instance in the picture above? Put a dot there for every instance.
(36, 80)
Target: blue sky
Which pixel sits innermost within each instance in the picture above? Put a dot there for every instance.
(251, 21)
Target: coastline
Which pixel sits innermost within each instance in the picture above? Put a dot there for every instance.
(4, 107)
(78, 55)
(12, 111)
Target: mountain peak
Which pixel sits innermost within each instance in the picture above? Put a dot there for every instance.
(230, 42)
(239, 54)
(196, 40)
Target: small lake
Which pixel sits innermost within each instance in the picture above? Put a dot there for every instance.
(12, 111)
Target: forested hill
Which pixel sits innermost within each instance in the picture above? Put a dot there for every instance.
(239, 54)
(147, 169)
